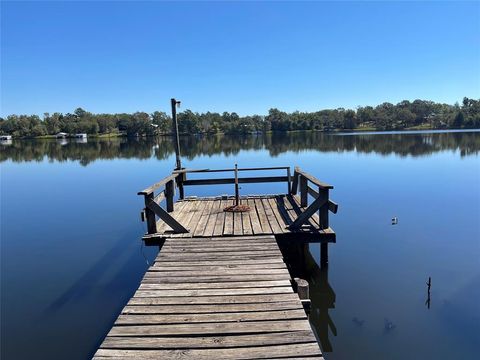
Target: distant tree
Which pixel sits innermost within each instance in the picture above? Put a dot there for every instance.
(163, 121)
(458, 120)
(405, 117)
(365, 114)
(107, 123)
(188, 122)
(279, 120)
(52, 124)
(349, 120)
(422, 110)
(80, 112)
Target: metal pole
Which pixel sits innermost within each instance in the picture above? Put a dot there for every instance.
(175, 133)
(237, 195)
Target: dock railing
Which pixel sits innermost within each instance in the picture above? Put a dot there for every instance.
(183, 181)
(153, 208)
(164, 190)
(322, 202)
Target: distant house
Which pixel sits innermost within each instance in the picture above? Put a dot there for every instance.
(5, 137)
(80, 136)
(61, 135)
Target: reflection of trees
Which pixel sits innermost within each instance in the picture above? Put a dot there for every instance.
(226, 145)
(85, 153)
(414, 144)
(323, 299)
(467, 143)
(384, 144)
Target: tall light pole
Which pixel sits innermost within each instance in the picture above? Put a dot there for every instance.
(175, 133)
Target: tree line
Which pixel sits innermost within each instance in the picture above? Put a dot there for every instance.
(418, 114)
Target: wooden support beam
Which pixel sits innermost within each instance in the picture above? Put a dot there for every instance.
(230, 170)
(169, 193)
(295, 183)
(307, 214)
(150, 214)
(174, 104)
(312, 192)
(289, 188)
(303, 191)
(165, 216)
(247, 180)
(323, 255)
(180, 180)
(323, 211)
(332, 206)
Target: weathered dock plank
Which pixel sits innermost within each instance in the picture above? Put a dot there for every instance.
(198, 309)
(255, 352)
(215, 297)
(138, 319)
(282, 338)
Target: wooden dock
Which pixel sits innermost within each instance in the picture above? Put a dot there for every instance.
(214, 298)
(219, 287)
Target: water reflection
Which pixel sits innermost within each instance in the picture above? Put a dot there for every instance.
(62, 141)
(302, 264)
(81, 140)
(323, 299)
(83, 286)
(401, 144)
(55, 279)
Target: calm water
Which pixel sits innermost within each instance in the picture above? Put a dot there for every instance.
(71, 250)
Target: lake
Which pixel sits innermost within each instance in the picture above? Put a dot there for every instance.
(72, 255)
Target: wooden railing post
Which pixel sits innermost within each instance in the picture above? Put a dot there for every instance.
(289, 189)
(294, 187)
(303, 191)
(180, 179)
(150, 215)
(303, 292)
(323, 211)
(169, 193)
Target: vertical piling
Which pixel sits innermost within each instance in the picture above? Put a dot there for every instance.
(323, 255)
(175, 133)
(150, 215)
(303, 291)
(237, 193)
(303, 191)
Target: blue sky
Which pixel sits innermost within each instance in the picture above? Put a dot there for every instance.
(244, 56)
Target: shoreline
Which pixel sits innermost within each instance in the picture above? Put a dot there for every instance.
(360, 131)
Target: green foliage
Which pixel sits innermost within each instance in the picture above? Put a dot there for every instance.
(418, 114)
(459, 119)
